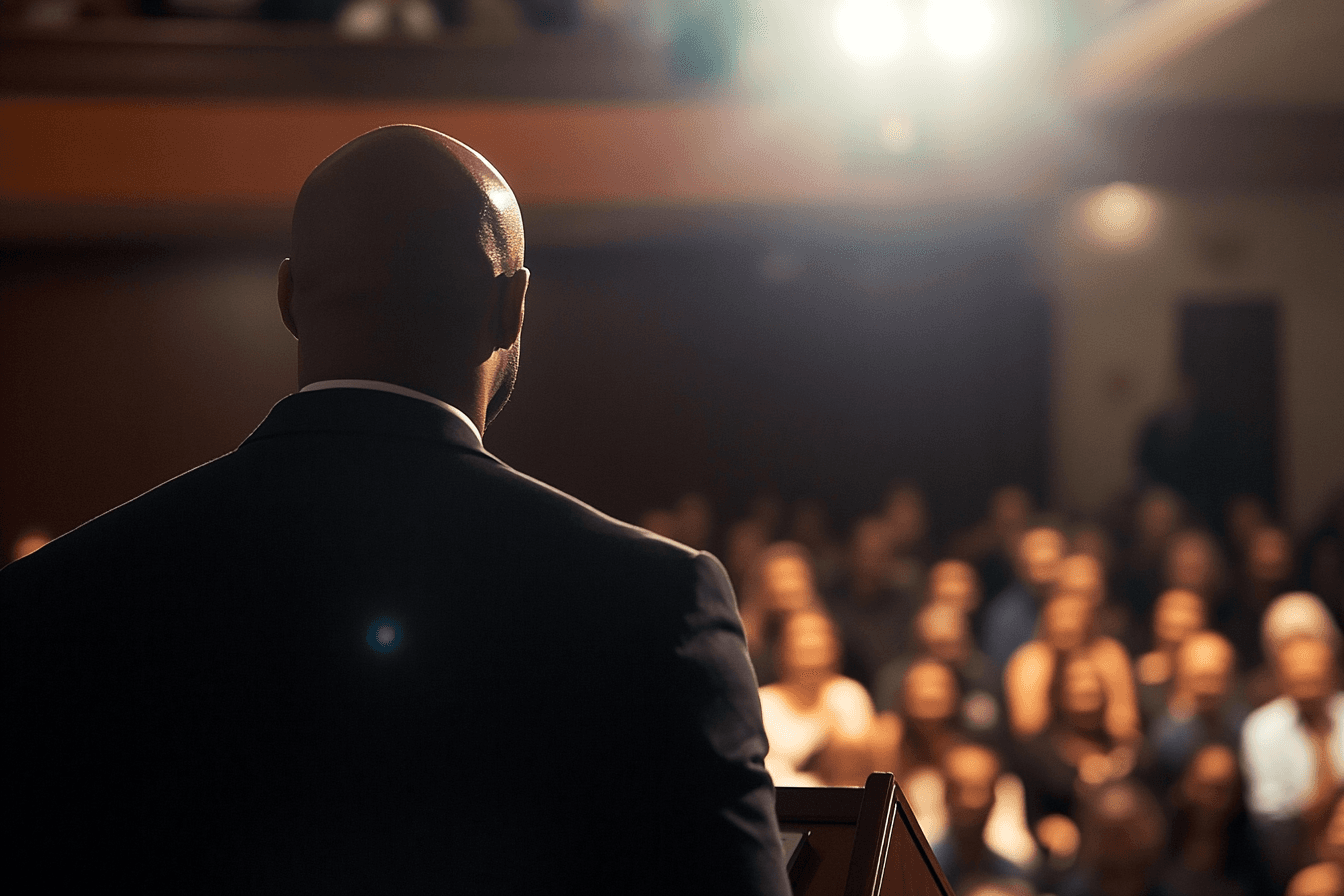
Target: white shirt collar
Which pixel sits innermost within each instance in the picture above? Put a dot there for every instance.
(380, 386)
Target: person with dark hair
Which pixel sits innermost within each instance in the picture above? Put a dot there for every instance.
(360, 653)
(871, 606)
(990, 543)
(1266, 573)
(1212, 851)
(1154, 520)
(779, 583)
(1123, 833)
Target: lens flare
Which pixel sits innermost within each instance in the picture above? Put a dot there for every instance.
(871, 32)
(960, 29)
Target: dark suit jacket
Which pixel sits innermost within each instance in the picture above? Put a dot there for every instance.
(195, 693)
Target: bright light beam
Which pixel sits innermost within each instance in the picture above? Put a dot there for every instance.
(960, 29)
(871, 32)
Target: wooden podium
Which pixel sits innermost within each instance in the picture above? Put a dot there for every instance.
(858, 841)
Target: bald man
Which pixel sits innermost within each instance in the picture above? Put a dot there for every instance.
(360, 653)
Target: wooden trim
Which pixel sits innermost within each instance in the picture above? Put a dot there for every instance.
(872, 838)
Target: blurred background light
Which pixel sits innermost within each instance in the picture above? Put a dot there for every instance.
(871, 32)
(960, 29)
(1120, 216)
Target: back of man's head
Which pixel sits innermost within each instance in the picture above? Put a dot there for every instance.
(404, 243)
(404, 213)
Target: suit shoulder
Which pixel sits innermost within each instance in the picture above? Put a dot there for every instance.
(550, 506)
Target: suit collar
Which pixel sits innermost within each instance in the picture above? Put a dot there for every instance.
(366, 411)
(381, 386)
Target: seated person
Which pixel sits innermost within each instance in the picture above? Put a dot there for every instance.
(970, 776)
(989, 544)
(1155, 519)
(1213, 851)
(1076, 752)
(809, 525)
(1123, 833)
(1194, 562)
(1292, 749)
(1288, 616)
(1067, 631)
(1092, 555)
(872, 605)
(911, 740)
(942, 632)
(1201, 707)
(1177, 614)
(811, 706)
(954, 582)
(1010, 617)
(1266, 573)
(906, 515)
(780, 583)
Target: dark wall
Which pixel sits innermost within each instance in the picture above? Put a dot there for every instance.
(648, 370)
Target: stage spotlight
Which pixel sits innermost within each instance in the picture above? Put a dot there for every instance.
(960, 29)
(871, 32)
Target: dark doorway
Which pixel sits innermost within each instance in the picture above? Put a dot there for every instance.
(1230, 359)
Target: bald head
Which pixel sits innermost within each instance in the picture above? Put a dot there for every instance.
(407, 256)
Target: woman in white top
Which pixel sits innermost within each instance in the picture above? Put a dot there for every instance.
(811, 708)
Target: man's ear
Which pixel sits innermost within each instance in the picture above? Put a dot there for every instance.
(285, 293)
(512, 299)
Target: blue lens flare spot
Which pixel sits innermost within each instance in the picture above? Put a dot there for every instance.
(384, 635)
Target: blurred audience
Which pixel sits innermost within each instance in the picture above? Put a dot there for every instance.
(1134, 657)
(1155, 520)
